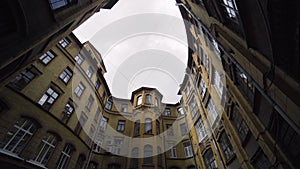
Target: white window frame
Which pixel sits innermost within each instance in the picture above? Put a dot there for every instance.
(65, 157)
(79, 59)
(47, 145)
(188, 149)
(79, 89)
(50, 97)
(212, 112)
(200, 130)
(47, 57)
(66, 75)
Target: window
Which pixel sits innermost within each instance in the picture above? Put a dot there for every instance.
(157, 127)
(136, 128)
(68, 111)
(65, 156)
(47, 57)
(103, 123)
(22, 80)
(211, 111)
(170, 131)
(90, 135)
(200, 129)
(202, 88)
(206, 62)
(156, 102)
(260, 161)
(97, 114)
(18, 136)
(45, 149)
(92, 165)
(121, 125)
(117, 146)
(124, 108)
(193, 107)
(55, 4)
(82, 120)
(209, 160)
(134, 163)
(89, 102)
(66, 75)
(188, 149)
(64, 42)
(148, 154)
(167, 112)
(79, 89)
(239, 123)
(108, 105)
(90, 72)
(80, 162)
(231, 8)
(47, 100)
(183, 129)
(226, 147)
(218, 84)
(173, 153)
(180, 111)
(139, 100)
(97, 84)
(159, 156)
(148, 99)
(148, 126)
(79, 58)
(244, 84)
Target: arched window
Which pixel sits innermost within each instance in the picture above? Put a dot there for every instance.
(148, 154)
(136, 128)
(209, 160)
(148, 126)
(148, 99)
(134, 163)
(45, 149)
(139, 100)
(19, 135)
(65, 156)
(80, 162)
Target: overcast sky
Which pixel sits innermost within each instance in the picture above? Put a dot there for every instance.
(142, 43)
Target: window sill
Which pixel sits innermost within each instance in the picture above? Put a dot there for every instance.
(36, 164)
(10, 154)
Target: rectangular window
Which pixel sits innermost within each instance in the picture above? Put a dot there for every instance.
(231, 8)
(55, 4)
(167, 112)
(79, 59)
(188, 149)
(157, 127)
(206, 63)
(148, 126)
(148, 99)
(121, 125)
(202, 88)
(47, 57)
(90, 72)
(103, 123)
(117, 146)
(22, 80)
(67, 113)
(47, 100)
(79, 89)
(136, 128)
(170, 131)
(173, 153)
(97, 84)
(180, 111)
(218, 84)
(66, 75)
(82, 120)
(64, 42)
(260, 161)
(209, 160)
(124, 108)
(183, 129)
(193, 107)
(89, 102)
(97, 114)
(239, 123)
(108, 105)
(211, 111)
(200, 129)
(226, 147)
